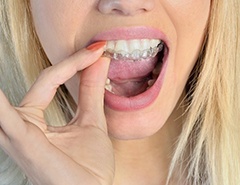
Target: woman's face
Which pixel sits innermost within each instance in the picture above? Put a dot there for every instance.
(144, 89)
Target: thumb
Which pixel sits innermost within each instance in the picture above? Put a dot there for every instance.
(92, 88)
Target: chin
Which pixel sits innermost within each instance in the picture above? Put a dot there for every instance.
(139, 124)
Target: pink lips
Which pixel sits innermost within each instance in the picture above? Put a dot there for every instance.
(146, 98)
(127, 33)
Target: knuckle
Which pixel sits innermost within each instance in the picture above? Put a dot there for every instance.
(90, 84)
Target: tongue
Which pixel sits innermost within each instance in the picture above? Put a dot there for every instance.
(129, 88)
(129, 78)
(123, 70)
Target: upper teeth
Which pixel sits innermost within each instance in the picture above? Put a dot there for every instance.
(133, 49)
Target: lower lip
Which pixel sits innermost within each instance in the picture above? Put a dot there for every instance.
(140, 101)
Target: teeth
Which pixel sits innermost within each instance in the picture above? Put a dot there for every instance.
(151, 82)
(108, 85)
(109, 88)
(133, 49)
(154, 43)
(145, 44)
(134, 45)
(108, 81)
(110, 45)
(121, 45)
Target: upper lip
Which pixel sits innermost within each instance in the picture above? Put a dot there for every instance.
(127, 33)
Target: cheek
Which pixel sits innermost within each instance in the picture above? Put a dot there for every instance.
(189, 17)
(190, 20)
(56, 25)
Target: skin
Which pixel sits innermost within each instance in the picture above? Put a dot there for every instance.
(65, 27)
(144, 145)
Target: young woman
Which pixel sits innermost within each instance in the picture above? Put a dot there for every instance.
(120, 92)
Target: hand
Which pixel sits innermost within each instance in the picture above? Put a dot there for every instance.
(79, 153)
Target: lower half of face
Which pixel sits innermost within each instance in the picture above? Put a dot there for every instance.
(153, 46)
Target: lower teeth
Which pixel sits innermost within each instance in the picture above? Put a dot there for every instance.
(150, 82)
(109, 87)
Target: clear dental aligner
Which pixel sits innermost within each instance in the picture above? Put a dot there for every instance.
(136, 54)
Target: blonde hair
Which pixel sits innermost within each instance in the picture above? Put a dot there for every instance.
(208, 149)
(21, 60)
(210, 139)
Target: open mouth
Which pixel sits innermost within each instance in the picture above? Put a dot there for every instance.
(135, 65)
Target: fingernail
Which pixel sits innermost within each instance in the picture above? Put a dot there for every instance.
(97, 45)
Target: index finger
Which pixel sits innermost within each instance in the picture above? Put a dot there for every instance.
(44, 89)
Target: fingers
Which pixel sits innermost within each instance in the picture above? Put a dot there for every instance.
(10, 122)
(41, 93)
(92, 85)
(92, 88)
(44, 89)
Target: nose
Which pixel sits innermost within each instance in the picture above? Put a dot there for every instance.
(125, 7)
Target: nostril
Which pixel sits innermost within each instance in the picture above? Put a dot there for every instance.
(117, 11)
